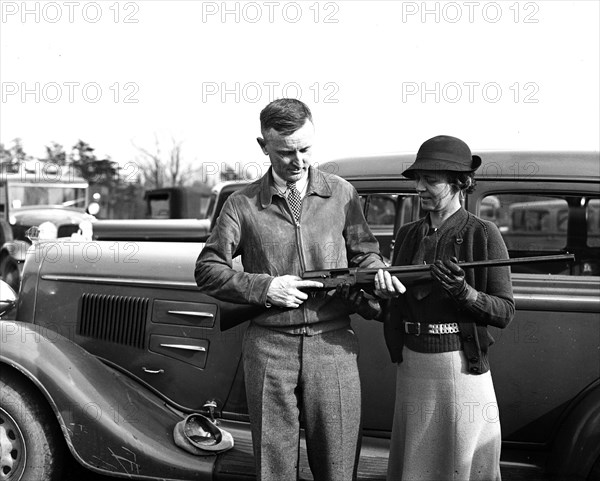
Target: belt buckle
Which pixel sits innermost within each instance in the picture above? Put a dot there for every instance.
(407, 328)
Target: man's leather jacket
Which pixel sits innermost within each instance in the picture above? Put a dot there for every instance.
(257, 224)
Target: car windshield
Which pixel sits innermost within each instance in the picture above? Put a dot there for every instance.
(29, 194)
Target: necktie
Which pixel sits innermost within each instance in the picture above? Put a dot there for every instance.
(294, 199)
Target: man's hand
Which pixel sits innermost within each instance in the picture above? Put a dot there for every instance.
(284, 291)
(452, 278)
(386, 286)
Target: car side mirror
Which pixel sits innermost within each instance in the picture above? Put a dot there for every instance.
(8, 298)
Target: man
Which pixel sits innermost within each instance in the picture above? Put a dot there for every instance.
(300, 353)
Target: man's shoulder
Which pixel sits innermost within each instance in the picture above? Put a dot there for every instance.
(251, 190)
(330, 175)
(331, 180)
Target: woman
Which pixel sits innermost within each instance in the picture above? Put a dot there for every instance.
(446, 423)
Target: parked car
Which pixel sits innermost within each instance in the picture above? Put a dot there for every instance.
(177, 202)
(113, 344)
(38, 193)
(194, 229)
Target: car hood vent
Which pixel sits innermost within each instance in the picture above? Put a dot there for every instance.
(117, 319)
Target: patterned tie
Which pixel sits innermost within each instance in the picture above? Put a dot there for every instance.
(294, 199)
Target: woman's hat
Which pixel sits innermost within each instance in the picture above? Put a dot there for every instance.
(444, 153)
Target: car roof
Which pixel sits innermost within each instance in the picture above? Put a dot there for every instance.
(496, 165)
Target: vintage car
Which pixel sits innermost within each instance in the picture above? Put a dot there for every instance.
(38, 193)
(175, 228)
(113, 343)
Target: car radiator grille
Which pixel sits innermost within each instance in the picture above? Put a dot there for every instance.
(112, 318)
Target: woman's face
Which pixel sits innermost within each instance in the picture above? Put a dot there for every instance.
(434, 190)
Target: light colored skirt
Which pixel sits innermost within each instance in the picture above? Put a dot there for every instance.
(446, 425)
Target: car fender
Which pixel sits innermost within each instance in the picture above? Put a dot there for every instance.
(17, 249)
(577, 444)
(112, 425)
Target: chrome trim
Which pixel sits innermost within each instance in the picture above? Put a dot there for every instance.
(193, 313)
(185, 347)
(118, 280)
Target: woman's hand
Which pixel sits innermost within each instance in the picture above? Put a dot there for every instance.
(452, 278)
(386, 286)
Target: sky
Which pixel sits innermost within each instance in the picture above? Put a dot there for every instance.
(379, 76)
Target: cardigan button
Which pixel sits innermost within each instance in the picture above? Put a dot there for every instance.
(474, 359)
(469, 338)
(474, 369)
(459, 240)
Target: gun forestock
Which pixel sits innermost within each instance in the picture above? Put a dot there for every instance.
(355, 276)
(331, 278)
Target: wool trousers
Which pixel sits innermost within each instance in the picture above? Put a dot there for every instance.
(314, 379)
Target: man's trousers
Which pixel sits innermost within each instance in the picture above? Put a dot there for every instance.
(313, 378)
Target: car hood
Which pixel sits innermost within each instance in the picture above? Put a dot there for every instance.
(30, 216)
(159, 263)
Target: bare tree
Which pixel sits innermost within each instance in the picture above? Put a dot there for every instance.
(164, 170)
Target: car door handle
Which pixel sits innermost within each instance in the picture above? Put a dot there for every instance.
(185, 347)
(152, 371)
(193, 313)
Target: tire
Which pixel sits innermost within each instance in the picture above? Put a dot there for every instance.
(31, 444)
(10, 271)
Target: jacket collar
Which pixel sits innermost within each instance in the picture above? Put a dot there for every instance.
(318, 184)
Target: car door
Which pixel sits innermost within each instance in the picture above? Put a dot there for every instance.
(550, 354)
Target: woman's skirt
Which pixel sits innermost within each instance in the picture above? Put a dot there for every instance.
(446, 425)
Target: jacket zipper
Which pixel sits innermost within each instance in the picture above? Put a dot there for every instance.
(299, 244)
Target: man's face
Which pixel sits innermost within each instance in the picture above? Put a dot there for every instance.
(289, 155)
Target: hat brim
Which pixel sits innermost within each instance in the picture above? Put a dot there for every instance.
(200, 436)
(437, 165)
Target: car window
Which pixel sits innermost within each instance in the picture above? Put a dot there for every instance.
(160, 206)
(380, 209)
(550, 224)
(386, 211)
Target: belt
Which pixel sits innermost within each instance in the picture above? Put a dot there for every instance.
(418, 328)
(310, 329)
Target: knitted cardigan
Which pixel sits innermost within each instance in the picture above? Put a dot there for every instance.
(470, 239)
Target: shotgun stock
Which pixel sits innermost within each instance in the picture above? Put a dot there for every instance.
(355, 276)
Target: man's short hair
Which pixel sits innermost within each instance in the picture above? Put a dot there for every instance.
(284, 116)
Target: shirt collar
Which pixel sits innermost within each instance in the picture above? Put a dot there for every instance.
(316, 182)
(281, 185)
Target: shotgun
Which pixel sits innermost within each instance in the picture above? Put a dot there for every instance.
(355, 276)
(234, 314)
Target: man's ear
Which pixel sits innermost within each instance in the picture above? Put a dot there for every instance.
(263, 145)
